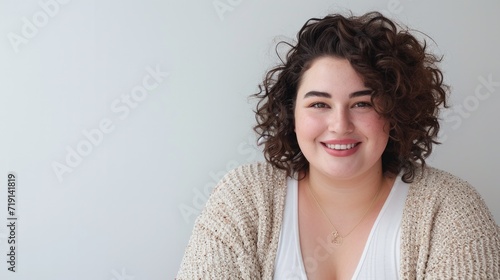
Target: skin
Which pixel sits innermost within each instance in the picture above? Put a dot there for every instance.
(333, 106)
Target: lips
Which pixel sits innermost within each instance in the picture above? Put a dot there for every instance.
(341, 147)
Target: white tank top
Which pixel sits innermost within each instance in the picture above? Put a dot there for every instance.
(381, 255)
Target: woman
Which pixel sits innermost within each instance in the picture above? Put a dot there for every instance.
(347, 121)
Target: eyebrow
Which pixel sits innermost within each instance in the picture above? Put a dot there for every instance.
(314, 93)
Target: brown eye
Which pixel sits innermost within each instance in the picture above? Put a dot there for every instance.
(319, 105)
(362, 105)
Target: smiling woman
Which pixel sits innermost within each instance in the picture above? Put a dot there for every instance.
(333, 111)
(347, 121)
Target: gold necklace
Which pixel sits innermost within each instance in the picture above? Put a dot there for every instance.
(334, 238)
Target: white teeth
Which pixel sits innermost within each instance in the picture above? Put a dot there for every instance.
(340, 147)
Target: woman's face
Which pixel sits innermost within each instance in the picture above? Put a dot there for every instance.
(338, 130)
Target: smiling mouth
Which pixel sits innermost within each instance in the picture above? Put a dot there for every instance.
(341, 147)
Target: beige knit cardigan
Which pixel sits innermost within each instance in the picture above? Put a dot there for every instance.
(447, 232)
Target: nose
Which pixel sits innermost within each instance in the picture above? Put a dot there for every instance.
(340, 122)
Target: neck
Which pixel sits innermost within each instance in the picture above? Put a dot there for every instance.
(347, 195)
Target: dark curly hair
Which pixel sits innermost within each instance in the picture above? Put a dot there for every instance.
(407, 86)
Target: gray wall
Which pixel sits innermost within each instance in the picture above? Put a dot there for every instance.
(119, 116)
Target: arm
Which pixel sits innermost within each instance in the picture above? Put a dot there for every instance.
(222, 243)
(448, 232)
(466, 241)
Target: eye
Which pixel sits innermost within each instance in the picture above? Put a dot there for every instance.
(362, 105)
(319, 105)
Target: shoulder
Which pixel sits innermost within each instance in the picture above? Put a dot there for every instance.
(246, 206)
(251, 189)
(442, 187)
(239, 226)
(251, 179)
(253, 174)
(435, 178)
(448, 204)
(447, 229)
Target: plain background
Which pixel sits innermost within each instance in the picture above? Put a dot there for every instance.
(126, 208)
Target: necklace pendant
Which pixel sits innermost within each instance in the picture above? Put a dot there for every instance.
(335, 239)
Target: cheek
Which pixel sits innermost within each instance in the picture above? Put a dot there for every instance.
(380, 129)
(307, 126)
(381, 125)
(375, 122)
(374, 127)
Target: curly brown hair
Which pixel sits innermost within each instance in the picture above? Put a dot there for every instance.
(407, 86)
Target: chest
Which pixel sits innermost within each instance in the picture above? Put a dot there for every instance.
(372, 250)
(321, 258)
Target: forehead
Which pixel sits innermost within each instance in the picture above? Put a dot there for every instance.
(332, 75)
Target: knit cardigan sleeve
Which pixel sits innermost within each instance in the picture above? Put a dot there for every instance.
(236, 234)
(449, 232)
